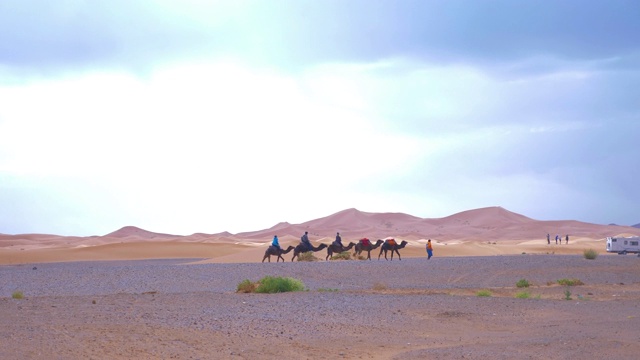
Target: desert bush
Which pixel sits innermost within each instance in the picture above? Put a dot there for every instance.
(567, 294)
(379, 286)
(246, 286)
(522, 283)
(570, 282)
(590, 254)
(523, 295)
(327, 290)
(17, 295)
(307, 256)
(345, 255)
(484, 293)
(271, 284)
(361, 257)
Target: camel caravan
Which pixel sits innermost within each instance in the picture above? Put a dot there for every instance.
(336, 247)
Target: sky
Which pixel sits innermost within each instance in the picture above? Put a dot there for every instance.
(209, 116)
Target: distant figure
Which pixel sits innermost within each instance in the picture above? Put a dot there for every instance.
(567, 240)
(275, 242)
(548, 240)
(429, 249)
(338, 241)
(305, 241)
(557, 240)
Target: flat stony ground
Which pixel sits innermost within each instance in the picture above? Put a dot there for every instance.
(409, 309)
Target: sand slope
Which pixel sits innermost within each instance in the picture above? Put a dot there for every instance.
(486, 231)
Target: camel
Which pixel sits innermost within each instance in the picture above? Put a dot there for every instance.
(360, 247)
(301, 248)
(388, 247)
(333, 248)
(272, 250)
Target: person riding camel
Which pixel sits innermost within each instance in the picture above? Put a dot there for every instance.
(275, 242)
(305, 241)
(338, 241)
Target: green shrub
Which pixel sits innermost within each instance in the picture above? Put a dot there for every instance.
(307, 256)
(17, 295)
(522, 283)
(590, 254)
(271, 284)
(570, 282)
(523, 295)
(345, 255)
(246, 286)
(484, 293)
(567, 294)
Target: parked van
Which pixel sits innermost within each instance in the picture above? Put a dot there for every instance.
(623, 245)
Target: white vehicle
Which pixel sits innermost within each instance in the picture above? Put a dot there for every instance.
(623, 245)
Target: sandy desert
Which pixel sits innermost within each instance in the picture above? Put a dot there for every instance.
(479, 232)
(134, 293)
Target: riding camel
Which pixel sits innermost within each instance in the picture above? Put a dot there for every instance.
(272, 250)
(361, 246)
(336, 249)
(301, 248)
(393, 246)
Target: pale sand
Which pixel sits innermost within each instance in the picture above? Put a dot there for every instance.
(247, 252)
(480, 232)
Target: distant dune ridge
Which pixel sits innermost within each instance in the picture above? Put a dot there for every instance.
(484, 223)
(473, 228)
(479, 224)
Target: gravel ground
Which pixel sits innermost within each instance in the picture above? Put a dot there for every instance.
(409, 309)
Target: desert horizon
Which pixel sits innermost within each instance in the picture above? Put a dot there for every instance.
(479, 232)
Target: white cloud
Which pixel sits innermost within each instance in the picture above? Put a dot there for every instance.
(219, 140)
(223, 145)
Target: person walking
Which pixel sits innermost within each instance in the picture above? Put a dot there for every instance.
(429, 249)
(567, 239)
(548, 239)
(557, 239)
(275, 242)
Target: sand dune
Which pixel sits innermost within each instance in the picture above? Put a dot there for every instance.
(487, 231)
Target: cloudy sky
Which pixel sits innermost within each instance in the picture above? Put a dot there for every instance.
(205, 116)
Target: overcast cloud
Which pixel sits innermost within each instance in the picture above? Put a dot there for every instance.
(206, 116)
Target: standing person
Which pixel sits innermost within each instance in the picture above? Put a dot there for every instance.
(548, 240)
(338, 241)
(275, 242)
(567, 239)
(305, 241)
(429, 249)
(556, 239)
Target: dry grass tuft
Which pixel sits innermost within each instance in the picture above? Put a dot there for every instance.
(307, 256)
(345, 255)
(380, 286)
